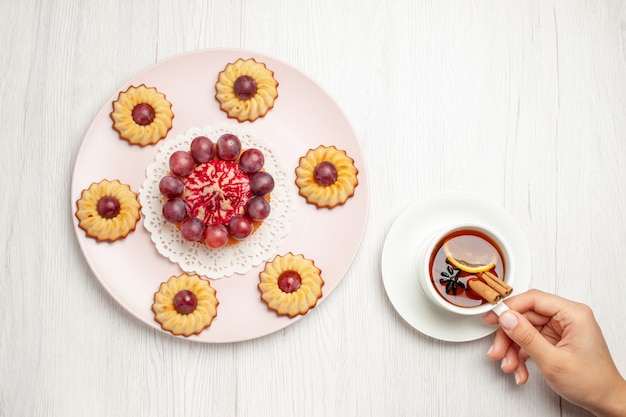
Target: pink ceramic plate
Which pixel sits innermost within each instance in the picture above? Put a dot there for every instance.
(303, 117)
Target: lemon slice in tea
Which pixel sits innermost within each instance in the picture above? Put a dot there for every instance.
(470, 253)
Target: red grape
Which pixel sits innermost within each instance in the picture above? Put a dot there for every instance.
(251, 161)
(108, 206)
(258, 208)
(181, 163)
(240, 226)
(143, 114)
(245, 87)
(202, 149)
(216, 235)
(228, 147)
(325, 173)
(185, 301)
(289, 281)
(192, 229)
(171, 186)
(261, 183)
(175, 210)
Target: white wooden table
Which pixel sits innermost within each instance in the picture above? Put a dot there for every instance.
(521, 102)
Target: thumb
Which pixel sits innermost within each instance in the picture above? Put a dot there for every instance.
(522, 332)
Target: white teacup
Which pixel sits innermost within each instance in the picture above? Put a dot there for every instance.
(425, 252)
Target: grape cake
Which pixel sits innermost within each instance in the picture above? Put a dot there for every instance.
(216, 191)
(216, 201)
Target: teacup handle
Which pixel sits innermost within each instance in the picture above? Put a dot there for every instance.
(500, 308)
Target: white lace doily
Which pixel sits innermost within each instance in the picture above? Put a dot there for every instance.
(195, 257)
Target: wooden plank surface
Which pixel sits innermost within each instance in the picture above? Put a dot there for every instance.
(522, 102)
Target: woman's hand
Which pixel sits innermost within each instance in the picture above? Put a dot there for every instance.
(567, 345)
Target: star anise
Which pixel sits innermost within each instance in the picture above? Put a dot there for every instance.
(451, 280)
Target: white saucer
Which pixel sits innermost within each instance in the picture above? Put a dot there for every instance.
(417, 222)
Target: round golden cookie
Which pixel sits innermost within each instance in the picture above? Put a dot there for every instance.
(108, 210)
(246, 90)
(290, 284)
(193, 296)
(316, 187)
(142, 115)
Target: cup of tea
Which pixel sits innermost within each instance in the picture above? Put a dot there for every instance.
(466, 268)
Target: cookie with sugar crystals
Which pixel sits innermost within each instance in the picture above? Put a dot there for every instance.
(108, 210)
(291, 284)
(246, 90)
(326, 176)
(142, 115)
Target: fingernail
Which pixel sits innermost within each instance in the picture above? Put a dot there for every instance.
(517, 378)
(490, 350)
(503, 363)
(508, 320)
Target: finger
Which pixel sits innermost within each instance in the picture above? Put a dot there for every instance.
(538, 301)
(521, 373)
(501, 344)
(527, 337)
(523, 355)
(490, 318)
(538, 320)
(510, 362)
(536, 305)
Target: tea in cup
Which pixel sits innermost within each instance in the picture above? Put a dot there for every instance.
(467, 269)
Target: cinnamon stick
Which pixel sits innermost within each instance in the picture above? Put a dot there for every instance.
(484, 290)
(496, 283)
